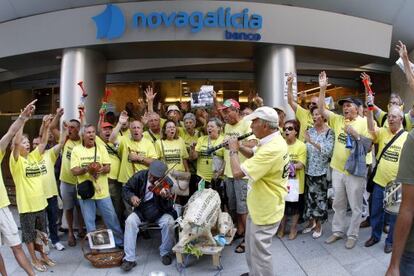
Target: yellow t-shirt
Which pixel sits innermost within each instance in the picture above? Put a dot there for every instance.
(340, 153)
(65, 173)
(113, 156)
(82, 157)
(26, 176)
(143, 147)
(305, 119)
(47, 170)
(407, 120)
(205, 161)
(390, 160)
(268, 174)
(174, 151)
(148, 136)
(297, 152)
(188, 139)
(242, 127)
(125, 133)
(4, 199)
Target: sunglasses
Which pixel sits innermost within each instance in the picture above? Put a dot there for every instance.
(288, 128)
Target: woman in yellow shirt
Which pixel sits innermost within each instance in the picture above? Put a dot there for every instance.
(31, 200)
(198, 151)
(171, 148)
(297, 156)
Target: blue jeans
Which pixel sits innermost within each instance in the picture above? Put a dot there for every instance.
(407, 264)
(52, 215)
(132, 223)
(108, 214)
(378, 214)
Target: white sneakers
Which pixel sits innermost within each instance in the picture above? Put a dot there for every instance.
(58, 246)
(316, 234)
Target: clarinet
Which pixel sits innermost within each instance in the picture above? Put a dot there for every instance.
(213, 149)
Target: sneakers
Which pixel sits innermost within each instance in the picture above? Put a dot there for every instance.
(350, 243)
(333, 238)
(166, 260)
(316, 234)
(371, 242)
(58, 246)
(127, 265)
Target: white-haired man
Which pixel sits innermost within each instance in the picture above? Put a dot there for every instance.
(267, 171)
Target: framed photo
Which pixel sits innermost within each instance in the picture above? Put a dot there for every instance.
(204, 98)
(101, 239)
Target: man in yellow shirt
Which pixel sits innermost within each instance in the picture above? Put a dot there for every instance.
(115, 188)
(67, 180)
(90, 162)
(304, 116)
(348, 188)
(136, 152)
(153, 122)
(267, 171)
(236, 189)
(386, 172)
(9, 233)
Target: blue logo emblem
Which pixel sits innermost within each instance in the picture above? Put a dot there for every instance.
(110, 24)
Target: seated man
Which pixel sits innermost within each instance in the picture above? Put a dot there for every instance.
(148, 207)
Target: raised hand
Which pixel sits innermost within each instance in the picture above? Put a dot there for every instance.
(365, 76)
(59, 111)
(401, 50)
(323, 80)
(29, 109)
(149, 93)
(123, 117)
(290, 79)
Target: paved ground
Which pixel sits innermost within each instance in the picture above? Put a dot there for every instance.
(303, 256)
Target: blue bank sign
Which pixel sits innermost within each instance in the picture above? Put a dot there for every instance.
(111, 23)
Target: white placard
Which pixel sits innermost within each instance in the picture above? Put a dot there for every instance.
(203, 98)
(400, 64)
(294, 86)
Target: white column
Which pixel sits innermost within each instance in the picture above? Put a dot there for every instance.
(79, 64)
(272, 62)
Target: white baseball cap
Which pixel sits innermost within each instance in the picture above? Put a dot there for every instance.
(265, 113)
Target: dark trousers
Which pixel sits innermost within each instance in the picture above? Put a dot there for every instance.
(378, 215)
(52, 216)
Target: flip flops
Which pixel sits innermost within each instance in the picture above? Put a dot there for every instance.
(39, 267)
(241, 248)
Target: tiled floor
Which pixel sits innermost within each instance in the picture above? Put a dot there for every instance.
(303, 256)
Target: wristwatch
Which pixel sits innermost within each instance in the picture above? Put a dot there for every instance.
(232, 152)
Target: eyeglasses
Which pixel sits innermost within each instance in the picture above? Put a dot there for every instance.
(312, 103)
(288, 128)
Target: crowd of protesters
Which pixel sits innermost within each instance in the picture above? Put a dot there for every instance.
(121, 154)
